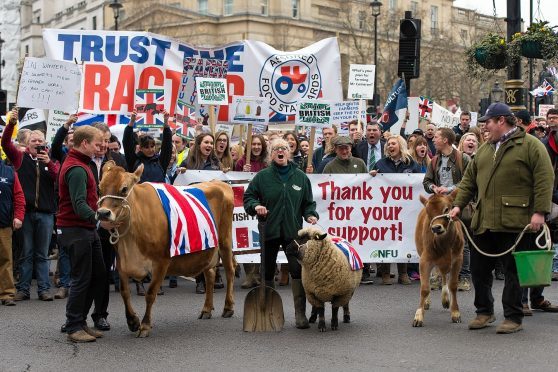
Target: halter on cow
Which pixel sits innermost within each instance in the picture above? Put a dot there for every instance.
(143, 241)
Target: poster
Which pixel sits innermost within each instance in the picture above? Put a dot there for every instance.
(347, 111)
(314, 114)
(49, 84)
(212, 91)
(361, 81)
(247, 110)
(150, 108)
(56, 119)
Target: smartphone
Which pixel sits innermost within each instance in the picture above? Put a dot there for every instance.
(41, 148)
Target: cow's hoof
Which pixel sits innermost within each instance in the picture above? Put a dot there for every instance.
(417, 323)
(446, 304)
(227, 313)
(334, 326)
(143, 333)
(204, 315)
(321, 326)
(313, 318)
(346, 318)
(456, 318)
(133, 324)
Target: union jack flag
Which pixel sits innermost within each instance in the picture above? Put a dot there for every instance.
(349, 251)
(191, 224)
(185, 119)
(109, 119)
(150, 104)
(425, 107)
(543, 90)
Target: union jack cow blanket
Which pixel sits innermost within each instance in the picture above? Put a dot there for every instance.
(349, 251)
(191, 223)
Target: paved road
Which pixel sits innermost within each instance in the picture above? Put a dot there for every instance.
(379, 338)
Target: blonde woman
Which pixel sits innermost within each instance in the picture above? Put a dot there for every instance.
(237, 152)
(397, 160)
(469, 143)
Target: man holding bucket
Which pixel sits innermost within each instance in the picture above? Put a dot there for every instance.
(513, 177)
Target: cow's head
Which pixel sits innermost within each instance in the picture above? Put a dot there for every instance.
(297, 248)
(437, 209)
(114, 189)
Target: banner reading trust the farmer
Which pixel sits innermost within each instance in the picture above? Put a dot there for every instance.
(117, 63)
(376, 214)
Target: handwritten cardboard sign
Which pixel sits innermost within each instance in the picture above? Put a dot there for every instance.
(361, 81)
(49, 84)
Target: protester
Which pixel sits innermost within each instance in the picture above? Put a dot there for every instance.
(463, 126)
(321, 152)
(429, 135)
(76, 220)
(294, 146)
(355, 133)
(114, 144)
(223, 152)
(468, 144)
(12, 212)
(419, 153)
(237, 152)
(282, 194)
(37, 173)
(523, 120)
(180, 143)
(372, 149)
(506, 204)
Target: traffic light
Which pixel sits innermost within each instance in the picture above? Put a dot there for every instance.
(409, 47)
(3, 101)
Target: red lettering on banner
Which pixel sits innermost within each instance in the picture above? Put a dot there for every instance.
(124, 92)
(96, 80)
(175, 78)
(147, 74)
(235, 87)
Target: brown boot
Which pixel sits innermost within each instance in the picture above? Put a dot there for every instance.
(93, 332)
(61, 293)
(81, 336)
(481, 321)
(386, 279)
(404, 279)
(508, 326)
(284, 280)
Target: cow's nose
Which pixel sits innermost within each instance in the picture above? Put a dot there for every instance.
(437, 229)
(103, 214)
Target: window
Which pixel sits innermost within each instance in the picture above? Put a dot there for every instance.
(202, 6)
(94, 22)
(434, 18)
(361, 19)
(295, 4)
(463, 34)
(27, 50)
(228, 8)
(392, 4)
(264, 7)
(414, 8)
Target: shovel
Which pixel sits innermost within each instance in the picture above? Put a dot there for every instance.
(263, 307)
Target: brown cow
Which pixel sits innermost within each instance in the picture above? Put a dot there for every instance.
(439, 243)
(143, 240)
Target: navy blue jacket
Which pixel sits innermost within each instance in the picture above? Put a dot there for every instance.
(386, 165)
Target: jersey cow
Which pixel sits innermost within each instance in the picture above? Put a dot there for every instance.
(143, 240)
(439, 243)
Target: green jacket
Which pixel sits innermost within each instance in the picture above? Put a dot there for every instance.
(351, 165)
(511, 186)
(287, 202)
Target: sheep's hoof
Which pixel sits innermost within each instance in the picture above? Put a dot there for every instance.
(321, 326)
(334, 324)
(312, 318)
(346, 318)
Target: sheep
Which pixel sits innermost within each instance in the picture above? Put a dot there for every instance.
(326, 274)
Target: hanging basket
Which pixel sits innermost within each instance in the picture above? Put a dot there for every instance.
(489, 59)
(531, 49)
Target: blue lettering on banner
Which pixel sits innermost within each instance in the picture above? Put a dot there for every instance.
(138, 44)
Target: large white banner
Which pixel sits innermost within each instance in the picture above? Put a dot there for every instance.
(116, 63)
(376, 214)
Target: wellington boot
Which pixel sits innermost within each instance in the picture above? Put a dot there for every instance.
(299, 298)
(284, 278)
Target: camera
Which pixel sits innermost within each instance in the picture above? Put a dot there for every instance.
(41, 148)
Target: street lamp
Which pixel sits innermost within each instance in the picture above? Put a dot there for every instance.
(376, 7)
(497, 93)
(116, 6)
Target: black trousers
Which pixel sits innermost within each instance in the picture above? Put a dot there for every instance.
(272, 248)
(102, 299)
(87, 273)
(482, 267)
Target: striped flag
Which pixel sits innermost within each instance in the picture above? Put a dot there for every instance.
(191, 224)
(543, 90)
(85, 118)
(349, 251)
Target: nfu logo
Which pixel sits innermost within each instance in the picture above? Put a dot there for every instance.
(286, 79)
(384, 253)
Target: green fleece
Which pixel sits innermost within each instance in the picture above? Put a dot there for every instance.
(287, 202)
(76, 178)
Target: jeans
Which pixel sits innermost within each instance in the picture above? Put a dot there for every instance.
(555, 258)
(466, 265)
(63, 266)
(88, 273)
(36, 232)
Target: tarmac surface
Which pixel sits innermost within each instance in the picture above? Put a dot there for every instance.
(379, 338)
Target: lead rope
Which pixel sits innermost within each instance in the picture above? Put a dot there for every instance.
(115, 235)
(544, 233)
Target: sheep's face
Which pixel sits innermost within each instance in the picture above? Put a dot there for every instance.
(298, 246)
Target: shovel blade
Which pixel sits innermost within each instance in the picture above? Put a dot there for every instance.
(263, 314)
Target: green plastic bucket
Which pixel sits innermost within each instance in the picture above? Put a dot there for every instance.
(534, 268)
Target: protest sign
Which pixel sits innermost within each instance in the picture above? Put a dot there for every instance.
(56, 119)
(361, 81)
(543, 109)
(119, 62)
(32, 119)
(246, 110)
(49, 84)
(314, 114)
(212, 91)
(347, 111)
(150, 108)
(227, 128)
(376, 215)
(442, 117)
(413, 109)
(474, 119)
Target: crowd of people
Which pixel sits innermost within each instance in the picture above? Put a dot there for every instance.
(48, 198)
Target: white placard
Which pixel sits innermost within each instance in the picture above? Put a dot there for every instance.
(246, 110)
(56, 119)
(361, 81)
(49, 84)
(543, 109)
(413, 107)
(443, 118)
(227, 128)
(212, 91)
(347, 111)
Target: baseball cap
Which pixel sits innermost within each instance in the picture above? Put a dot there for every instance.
(341, 141)
(524, 116)
(494, 110)
(419, 132)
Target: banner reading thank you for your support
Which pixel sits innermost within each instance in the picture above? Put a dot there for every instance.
(376, 214)
(116, 63)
